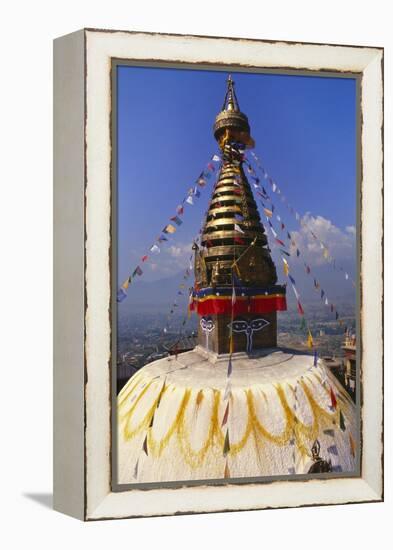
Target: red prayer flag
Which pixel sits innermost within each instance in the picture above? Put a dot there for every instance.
(299, 308)
(225, 417)
(145, 446)
(333, 398)
(144, 258)
(280, 242)
(238, 240)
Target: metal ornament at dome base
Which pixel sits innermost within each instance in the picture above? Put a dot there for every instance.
(320, 466)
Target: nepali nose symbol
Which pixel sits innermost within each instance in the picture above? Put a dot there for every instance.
(207, 327)
(248, 327)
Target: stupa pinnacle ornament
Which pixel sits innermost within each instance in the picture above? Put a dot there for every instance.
(231, 124)
(235, 277)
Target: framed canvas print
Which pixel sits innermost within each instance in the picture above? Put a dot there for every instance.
(218, 274)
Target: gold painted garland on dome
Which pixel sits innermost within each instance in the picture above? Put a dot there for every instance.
(303, 434)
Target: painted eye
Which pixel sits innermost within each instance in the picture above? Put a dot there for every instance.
(258, 324)
(239, 326)
(209, 325)
(203, 323)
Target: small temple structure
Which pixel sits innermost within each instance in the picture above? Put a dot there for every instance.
(236, 405)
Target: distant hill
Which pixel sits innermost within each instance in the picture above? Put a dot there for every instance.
(158, 296)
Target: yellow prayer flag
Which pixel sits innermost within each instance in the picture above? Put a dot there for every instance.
(352, 445)
(268, 212)
(170, 228)
(310, 341)
(126, 284)
(326, 253)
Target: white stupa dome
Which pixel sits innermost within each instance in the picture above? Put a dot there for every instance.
(182, 418)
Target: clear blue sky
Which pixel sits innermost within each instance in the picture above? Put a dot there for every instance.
(305, 133)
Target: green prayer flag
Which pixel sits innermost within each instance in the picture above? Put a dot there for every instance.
(342, 422)
(226, 444)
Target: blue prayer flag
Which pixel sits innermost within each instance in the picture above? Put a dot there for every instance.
(121, 295)
(292, 280)
(229, 367)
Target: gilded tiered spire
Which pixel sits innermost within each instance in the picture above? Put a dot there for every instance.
(234, 249)
(233, 226)
(233, 229)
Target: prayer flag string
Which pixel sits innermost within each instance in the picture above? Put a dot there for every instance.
(171, 228)
(293, 244)
(182, 286)
(181, 291)
(310, 340)
(276, 189)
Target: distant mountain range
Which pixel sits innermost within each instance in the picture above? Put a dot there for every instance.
(159, 296)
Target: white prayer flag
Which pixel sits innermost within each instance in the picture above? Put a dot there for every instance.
(295, 292)
(238, 228)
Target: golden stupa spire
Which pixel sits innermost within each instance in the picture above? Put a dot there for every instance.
(233, 240)
(233, 226)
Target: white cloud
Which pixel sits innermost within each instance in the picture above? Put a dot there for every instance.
(341, 244)
(171, 260)
(180, 250)
(351, 229)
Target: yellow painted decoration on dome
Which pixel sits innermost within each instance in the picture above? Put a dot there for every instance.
(302, 433)
(156, 447)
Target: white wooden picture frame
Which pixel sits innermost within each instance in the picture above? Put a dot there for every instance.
(82, 335)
